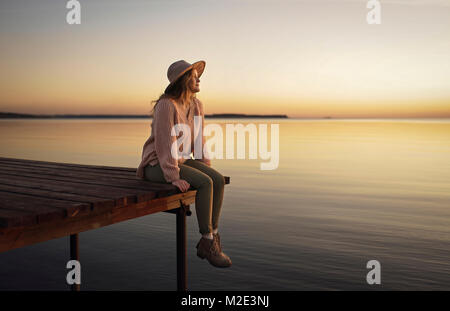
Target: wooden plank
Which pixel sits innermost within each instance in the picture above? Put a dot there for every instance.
(100, 170)
(107, 169)
(121, 196)
(20, 203)
(15, 237)
(71, 174)
(160, 188)
(64, 198)
(71, 170)
(43, 209)
(48, 173)
(16, 218)
(38, 162)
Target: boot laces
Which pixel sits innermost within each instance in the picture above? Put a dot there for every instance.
(218, 241)
(215, 247)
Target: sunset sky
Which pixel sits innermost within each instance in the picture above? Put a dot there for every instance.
(301, 58)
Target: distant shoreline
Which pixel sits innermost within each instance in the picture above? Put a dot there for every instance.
(12, 115)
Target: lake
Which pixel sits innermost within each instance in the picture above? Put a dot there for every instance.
(345, 192)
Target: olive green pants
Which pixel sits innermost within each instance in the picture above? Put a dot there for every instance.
(209, 184)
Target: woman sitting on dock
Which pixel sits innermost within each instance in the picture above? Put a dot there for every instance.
(178, 105)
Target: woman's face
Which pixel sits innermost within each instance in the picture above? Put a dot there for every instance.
(194, 82)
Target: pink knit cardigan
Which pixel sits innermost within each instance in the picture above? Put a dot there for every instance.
(157, 148)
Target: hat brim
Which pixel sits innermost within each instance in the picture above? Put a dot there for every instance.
(199, 66)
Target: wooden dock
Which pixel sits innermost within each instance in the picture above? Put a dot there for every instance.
(40, 201)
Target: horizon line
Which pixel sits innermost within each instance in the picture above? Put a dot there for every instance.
(14, 115)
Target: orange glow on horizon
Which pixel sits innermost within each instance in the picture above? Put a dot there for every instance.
(302, 59)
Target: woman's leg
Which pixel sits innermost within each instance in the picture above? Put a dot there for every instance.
(199, 181)
(207, 191)
(218, 188)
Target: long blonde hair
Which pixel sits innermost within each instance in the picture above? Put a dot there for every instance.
(179, 90)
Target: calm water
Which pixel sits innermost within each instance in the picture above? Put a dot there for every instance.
(345, 192)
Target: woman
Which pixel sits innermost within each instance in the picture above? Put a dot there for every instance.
(178, 105)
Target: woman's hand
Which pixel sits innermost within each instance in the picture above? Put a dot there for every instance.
(182, 184)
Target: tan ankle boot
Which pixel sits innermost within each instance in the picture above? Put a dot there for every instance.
(209, 249)
(216, 236)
